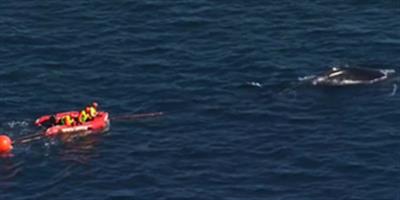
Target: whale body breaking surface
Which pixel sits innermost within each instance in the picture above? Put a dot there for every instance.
(342, 76)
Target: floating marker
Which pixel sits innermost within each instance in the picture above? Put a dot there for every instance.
(5, 144)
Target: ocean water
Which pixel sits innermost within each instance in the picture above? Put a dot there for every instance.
(237, 123)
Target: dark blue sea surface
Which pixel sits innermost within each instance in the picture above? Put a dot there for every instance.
(237, 124)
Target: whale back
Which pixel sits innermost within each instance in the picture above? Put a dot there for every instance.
(350, 76)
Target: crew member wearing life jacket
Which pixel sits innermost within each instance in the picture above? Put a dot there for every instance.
(91, 110)
(89, 113)
(67, 121)
(83, 117)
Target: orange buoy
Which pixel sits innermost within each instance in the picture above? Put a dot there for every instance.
(5, 144)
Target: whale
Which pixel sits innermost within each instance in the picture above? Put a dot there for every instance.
(342, 76)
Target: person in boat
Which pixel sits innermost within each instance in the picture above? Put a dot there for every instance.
(91, 110)
(88, 114)
(51, 122)
(68, 121)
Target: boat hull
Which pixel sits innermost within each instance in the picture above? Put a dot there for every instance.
(99, 124)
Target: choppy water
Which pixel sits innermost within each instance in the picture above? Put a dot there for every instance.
(217, 68)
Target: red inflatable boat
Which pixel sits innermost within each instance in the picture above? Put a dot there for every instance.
(99, 124)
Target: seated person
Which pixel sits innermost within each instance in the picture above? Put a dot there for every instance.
(67, 121)
(88, 114)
